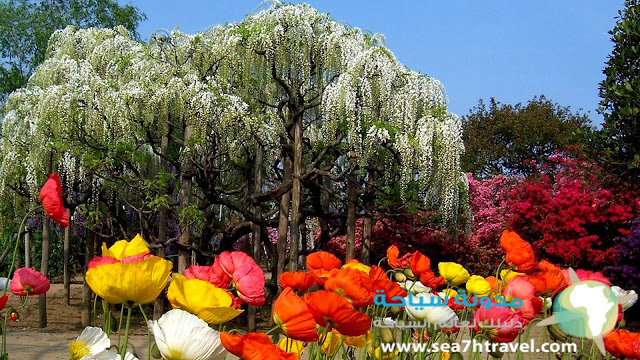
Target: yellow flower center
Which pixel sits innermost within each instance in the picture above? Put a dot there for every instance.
(78, 350)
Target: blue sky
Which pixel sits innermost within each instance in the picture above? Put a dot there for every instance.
(510, 50)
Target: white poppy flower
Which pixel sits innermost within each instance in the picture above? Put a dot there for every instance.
(628, 297)
(4, 281)
(415, 287)
(426, 306)
(110, 355)
(182, 335)
(91, 342)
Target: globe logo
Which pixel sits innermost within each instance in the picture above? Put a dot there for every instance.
(586, 309)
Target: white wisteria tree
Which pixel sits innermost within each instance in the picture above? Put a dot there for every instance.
(245, 126)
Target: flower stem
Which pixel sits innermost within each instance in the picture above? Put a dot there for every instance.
(146, 322)
(15, 249)
(123, 351)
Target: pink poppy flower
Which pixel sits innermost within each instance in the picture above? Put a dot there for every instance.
(230, 261)
(585, 275)
(500, 324)
(519, 287)
(27, 281)
(205, 273)
(52, 203)
(248, 280)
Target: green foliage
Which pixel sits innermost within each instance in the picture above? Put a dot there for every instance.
(26, 25)
(499, 139)
(619, 141)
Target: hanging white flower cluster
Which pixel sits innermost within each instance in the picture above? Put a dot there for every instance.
(100, 87)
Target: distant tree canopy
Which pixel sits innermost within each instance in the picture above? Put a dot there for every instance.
(619, 141)
(26, 25)
(499, 137)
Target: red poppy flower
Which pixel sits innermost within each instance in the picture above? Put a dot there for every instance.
(332, 310)
(27, 281)
(519, 252)
(205, 273)
(392, 258)
(623, 344)
(254, 346)
(421, 268)
(297, 280)
(322, 264)
(226, 264)
(291, 314)
(3, 301)
(248, 280)
(52, 203)
(382, 282)
(353, 284)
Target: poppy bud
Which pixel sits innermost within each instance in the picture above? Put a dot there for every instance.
(556, 333)
(387, 335)
(14, 316)
(155, 353)
(496, 354)
(400, 277)
(456, 356)
(409, 273)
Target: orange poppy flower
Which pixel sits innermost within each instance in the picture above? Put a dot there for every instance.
(336, 312)
(421, 268)
(322, 264)
(549, 279)
(382, 282)
(291, 314)
(353, 284)
(297, 280)
(493, 281)
(394, 261)
(254, 346)
(519, 252)
(623, 344)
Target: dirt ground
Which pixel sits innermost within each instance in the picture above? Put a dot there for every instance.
(27, 341)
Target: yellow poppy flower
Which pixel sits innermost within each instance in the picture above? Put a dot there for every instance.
(352, 264)
(453, 273)
(332, 342)
(202, 299)
(359, 341)
(291, 345)
(139, 282)
(508, 274)
(124, 248)
(478, 284)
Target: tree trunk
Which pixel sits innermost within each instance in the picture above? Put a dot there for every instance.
(296, 195)
(44, 268)
(256, 251)
(283, 224)
(66, 276)
(323, 224)
(87, 294)
(367, 226)
(352, 198)
(27, 249)
(185, 198)
(163, 214)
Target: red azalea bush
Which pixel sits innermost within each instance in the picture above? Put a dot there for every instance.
(570, 216)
